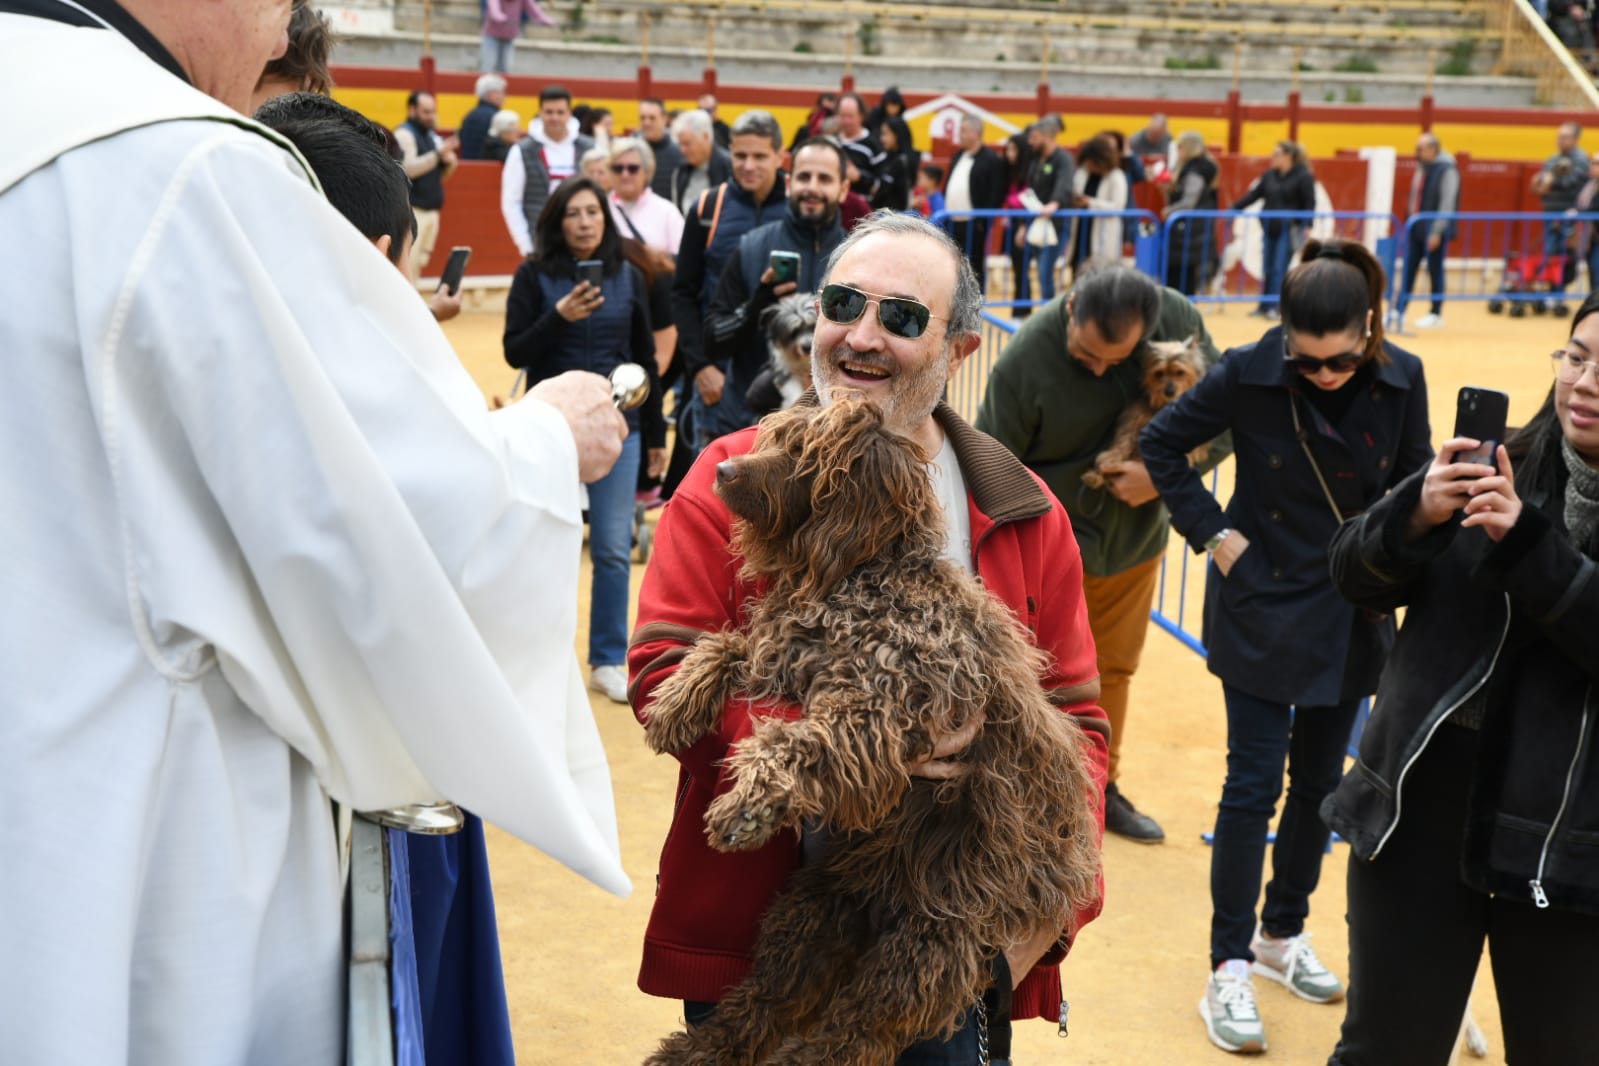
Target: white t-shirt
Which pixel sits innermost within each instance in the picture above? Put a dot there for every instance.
(950, 485)
(958, 193)
(560, 157)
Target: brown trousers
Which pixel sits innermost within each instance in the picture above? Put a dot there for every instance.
(1118, 615)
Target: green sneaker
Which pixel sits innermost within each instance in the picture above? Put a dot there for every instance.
(1229, 1011)
(1291, 962)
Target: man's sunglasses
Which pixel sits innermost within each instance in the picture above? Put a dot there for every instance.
(901, 317)
(626, 168)
(1311, 366)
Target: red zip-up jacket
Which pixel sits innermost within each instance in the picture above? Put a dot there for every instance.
(709, 904)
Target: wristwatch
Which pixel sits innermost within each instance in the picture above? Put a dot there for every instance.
(1215, 541)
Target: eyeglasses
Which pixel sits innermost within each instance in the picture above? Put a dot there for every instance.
(901, 317)
(1570, 366)
(1310, 366)
(626, 168)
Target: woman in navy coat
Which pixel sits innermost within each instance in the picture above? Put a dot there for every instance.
(1326, 417)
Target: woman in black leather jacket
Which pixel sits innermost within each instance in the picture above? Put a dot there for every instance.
(1473, 809)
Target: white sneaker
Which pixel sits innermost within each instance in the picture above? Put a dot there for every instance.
(1229, 1011)
(1291, 962)
(611, 680)
(1429, 321)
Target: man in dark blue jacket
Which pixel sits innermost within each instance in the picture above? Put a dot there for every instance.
(712, 228)
(474, 131)
(749, 285)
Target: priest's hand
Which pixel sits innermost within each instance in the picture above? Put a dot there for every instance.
(943, 761)
(598, 428)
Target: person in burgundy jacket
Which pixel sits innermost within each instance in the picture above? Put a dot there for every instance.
(1006, 528)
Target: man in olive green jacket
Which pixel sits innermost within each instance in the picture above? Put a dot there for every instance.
(1054, 398)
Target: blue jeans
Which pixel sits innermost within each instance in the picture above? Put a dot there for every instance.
(1274, 255)
(494, 55)
(1261, 735)
(1555, 235)
(1045, 258)
(727, 415)
(959, 1050)
(1415, 253)
(611, 549)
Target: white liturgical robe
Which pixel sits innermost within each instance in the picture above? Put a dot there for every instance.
(260, 545)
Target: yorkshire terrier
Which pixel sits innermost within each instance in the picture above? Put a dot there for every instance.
(789, 324)
(1170, 369)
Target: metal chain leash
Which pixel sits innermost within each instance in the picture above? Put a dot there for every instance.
(982, 1033)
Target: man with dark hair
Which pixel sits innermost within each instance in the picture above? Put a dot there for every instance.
(976, 181)
(428, 160)
(668, 156)
(1054, 398)
(712, 228)
(866, 156)
(366, 187)
(810, 229)
(474, 131)
(719, 129)
(349, 154)
(304, 67)
(547, 156)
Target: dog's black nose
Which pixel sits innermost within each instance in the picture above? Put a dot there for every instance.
(726, 471)
(1171, 389)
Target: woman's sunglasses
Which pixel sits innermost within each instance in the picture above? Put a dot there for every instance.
(626, 168)
(1310, 366)
(901, 317)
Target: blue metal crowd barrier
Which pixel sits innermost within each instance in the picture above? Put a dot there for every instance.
(1195, 262)
(970, 228)
(1515, 261)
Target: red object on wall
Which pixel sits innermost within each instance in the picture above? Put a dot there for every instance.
(471, 216)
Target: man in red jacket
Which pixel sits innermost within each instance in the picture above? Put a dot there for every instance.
(1003, 525)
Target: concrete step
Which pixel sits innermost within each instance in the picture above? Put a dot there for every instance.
(556, 59)
(1109, 44)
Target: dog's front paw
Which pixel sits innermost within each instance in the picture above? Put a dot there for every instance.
(744, 819)
(666, 733)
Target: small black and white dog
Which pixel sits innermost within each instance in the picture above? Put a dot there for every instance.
(789, 325)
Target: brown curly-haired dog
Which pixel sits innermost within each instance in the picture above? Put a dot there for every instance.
(1171, 368)
(888, 937)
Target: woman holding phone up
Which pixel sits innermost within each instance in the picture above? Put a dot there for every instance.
(1326, 417)
(578, 304)
(1473, 808)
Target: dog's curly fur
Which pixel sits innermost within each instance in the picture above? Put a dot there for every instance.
(886, 645)
(1171, 368)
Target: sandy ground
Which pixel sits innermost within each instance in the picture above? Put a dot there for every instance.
(1135, 978)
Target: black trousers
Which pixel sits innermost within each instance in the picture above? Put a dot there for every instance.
(1416, 934)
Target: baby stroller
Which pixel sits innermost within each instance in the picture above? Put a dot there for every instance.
(1531, 272)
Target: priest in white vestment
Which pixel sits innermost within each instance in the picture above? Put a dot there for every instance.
(261, 547)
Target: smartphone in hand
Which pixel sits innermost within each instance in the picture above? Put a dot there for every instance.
(785, 267)
(1480, 414)
(591, 271)
(455, 269)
